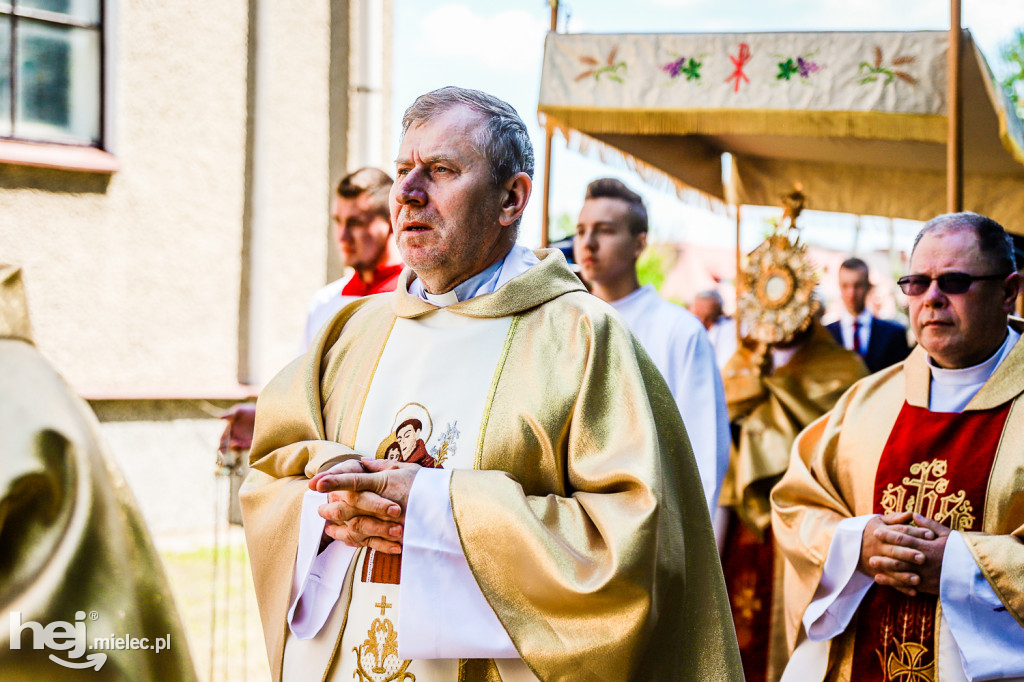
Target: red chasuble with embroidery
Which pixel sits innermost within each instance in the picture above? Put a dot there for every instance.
(936, 464)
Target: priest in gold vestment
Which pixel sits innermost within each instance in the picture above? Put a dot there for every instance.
(560, 532)
(902, 512)
(768, 406)
(77, 566)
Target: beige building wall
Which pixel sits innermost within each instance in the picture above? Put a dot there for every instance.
(133, 282)
(288, 180)
(159, 291)
(190, 268)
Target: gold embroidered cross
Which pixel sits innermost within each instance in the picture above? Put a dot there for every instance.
(953, 510)
(908, 665)
(926, 498)
(383, 604)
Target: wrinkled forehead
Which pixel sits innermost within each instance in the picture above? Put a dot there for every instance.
(457, 123)
(947, 249)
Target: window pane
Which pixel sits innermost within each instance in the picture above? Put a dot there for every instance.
(87, 10)
(5, 76)
(58, 84)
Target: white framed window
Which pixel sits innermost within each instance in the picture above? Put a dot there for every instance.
(52, 71)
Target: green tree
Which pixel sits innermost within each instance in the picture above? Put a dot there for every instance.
(1012, 53)
(563, 226)
(652, 267)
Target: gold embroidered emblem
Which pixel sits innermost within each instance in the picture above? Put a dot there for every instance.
(904, 664)
(379, 652)
(902, 656)
(745, 607)
(924, 491)
(745, 601)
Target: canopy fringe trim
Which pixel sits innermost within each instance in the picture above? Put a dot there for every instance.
(652, 175)
(851, 124)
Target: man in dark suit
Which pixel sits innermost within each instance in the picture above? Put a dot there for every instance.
(879, 342)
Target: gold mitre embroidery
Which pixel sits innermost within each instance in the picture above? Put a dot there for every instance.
(923, 492)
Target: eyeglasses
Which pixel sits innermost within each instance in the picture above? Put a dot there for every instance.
(949, 282)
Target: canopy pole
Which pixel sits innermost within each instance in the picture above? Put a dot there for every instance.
(736, 280)
(549, 133)
(546, 194)
(954, 135)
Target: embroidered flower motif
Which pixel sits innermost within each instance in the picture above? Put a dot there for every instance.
(692, 70)
(801, 66)
(786, 70)
(806, 67)
(610, 69)
(871, 71)
(446, 449)
(683, 66)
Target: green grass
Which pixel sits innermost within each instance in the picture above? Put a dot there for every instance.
(231, 633)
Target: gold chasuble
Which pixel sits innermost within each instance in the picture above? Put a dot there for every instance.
(767, 412)
(77, 567)
(881, 450)
(584, 526)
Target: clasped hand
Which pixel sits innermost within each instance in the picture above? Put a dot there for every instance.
(904, 556)
(366, 501)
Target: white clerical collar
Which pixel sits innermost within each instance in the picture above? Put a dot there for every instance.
(952, 389)
(518, 260)
(976, 373)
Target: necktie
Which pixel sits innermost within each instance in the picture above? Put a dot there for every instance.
(856, 337)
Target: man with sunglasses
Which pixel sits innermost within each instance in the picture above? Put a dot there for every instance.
(902, 511)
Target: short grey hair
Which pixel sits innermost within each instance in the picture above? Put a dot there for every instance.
(505, 141)
(993, 241)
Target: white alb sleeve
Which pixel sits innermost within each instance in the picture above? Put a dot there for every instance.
(700, 398)
(842, 586)
(318, 578)
(440, 599)
(990, 640)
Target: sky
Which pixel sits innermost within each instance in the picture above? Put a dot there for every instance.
(498, 47)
